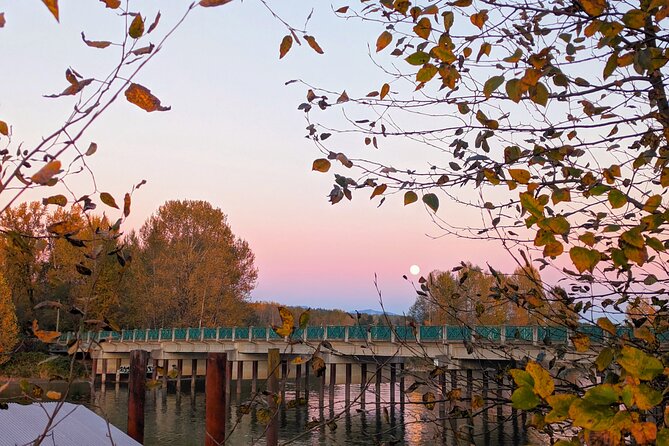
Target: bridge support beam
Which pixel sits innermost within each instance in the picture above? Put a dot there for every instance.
(137, 393)
(180, 368)
(393, 378)
(193, 374)
(442, 387)
(254, 377)
(215, 401)
(240, 377)
(273, 359)
(347, 382)
(379, 377)
(402, 388)
(228, 378)
(363, 384)
(103, 378)
(484, 393)
(154, 373)
(298, 379)
(117, 376)
(166, 365)
(333, 382)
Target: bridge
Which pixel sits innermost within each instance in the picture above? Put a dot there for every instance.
(179, 352)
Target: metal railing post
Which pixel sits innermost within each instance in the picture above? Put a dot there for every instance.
(304, 334)
(160, 334)
(535, 335)
(502, 334)
(418, 333)
(325, 332)
(346, 333)
(444, 333)
(234, 333)
(250, 334)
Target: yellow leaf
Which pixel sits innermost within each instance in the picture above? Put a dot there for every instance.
(385, 89)
(313, 44)
(423, 28)
(111, 4)
(644, 432)
(479, 18)
(410, 197)
(46, 173)
(48, 337)
(521, 176)
(606, 325)
(142, 97)
(53, 7)
(652, 203)
(584, 259)
(287, 323)
(58, 200)
(383, 40)
(53, 395)
(321, 165)
(107, 199)
(543, 382)
(581, 342)
(428, 400)
(4, 128)
(211, 3)
(136, 27)
(477, 402)
(286, 43)
(378, 190)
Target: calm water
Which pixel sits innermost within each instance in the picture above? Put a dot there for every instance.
(177, 418)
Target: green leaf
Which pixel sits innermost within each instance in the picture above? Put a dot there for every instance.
(539, 94)
(426, 73)
(531, 204)
(522, 378)
(639, 364)
(560, 404)
(491, 85)
(543, 381)
(513, 90)
(524, 398)
(604, 359)
(410, 197)
(617, 198)
(418, 58)
(591, 416)
(136, 27)
(604, 394)
(432, 201)
(634, 18)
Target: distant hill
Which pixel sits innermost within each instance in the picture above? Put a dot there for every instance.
(376, 312)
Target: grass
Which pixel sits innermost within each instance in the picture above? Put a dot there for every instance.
(38, 365)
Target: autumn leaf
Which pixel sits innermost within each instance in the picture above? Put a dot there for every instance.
(423, 28)
(287, 323)
(142, 97)
(95, 43)
(383, 40)
(136, 27)
(581, 342)
(107, 199)
(584, 259)
(126, 205)
(432, 201)
(491, 85)
(286, 44)
(429, 400)
(313, 44)
(53, 7)
(521, 176)
(593, 7)
(48, 337)
(154, 24)
(304, 319)
(321, 165)
(543, 382)
(479, 18)
(212, 3)
(378, 190)
(4, 128)
(58, 200)
(410, 197)
(317, 365)
(46, 173)
(385, 89)
(112, 4)
(53, 395)
(2, 20)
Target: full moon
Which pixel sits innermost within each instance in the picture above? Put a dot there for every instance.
(414, 270)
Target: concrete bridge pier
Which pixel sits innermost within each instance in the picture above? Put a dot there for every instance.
(166, 368)
(240, 377)
(402, 387)
(347, 383)
(254, 376)
(103, 377)
(298, 380)
(180, 368)
(363, 384)
(228, 379)
(118, 370)
(377, 387)
(193, 374)
(333, 382)
(393, 378)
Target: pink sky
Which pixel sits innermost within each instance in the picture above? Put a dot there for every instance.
(234, 137)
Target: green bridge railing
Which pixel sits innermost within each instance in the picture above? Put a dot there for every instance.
(424, 333)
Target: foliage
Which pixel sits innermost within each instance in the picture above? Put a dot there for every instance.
(9, 328)
(40, 366)
(551, 120)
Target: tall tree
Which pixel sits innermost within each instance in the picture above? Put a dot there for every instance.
(191, 269)
(9, 329)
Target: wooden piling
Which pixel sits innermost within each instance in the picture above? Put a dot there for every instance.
(347, 384)
(393, 378)
(273, 360)
(284, 370)
(215, 398)
(402, 387)
(154, 373)
(94, 372)
(166, 364)
(379, 377)
(240, 377)
(254, 377)
(442, 387)
(137, 394)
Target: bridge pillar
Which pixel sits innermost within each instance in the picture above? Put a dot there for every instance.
(103, 378)
(284, 379)
(307, 366)
(94, 372)
(216, 392)
(333, 381)
(363, 384)
(442, 387)
(193, 374)
(228, 378)
(254, 376)
(402, 388)
(298, 379)
(166, 365)
(137, 393)
(154, 373)
(321, 388)
(180, 368)
(240, 377)
(469, 383)
(393, 378)
(117, 376)
(379, 377)
(347, 383)
(484, 391)
(273, 359)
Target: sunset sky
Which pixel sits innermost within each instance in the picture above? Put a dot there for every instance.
(234, 137)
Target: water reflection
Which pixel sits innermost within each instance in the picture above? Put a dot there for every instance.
(177, 417)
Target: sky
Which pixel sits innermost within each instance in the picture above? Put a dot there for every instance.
(235, 138)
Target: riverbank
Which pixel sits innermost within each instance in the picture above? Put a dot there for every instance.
(38, 365)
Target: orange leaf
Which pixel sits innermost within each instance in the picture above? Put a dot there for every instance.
(321, 165)
(378, 190)
(2, 19)
(383, 41)
(47, 337)
(423, 28)
(211, 3)
(126, 204)
(142, 97)
(53, 7)
(479, 18)
(46, 173)
(313, 44)
(286, 43)
(111, 4)
(4, 128)
(385, 89)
